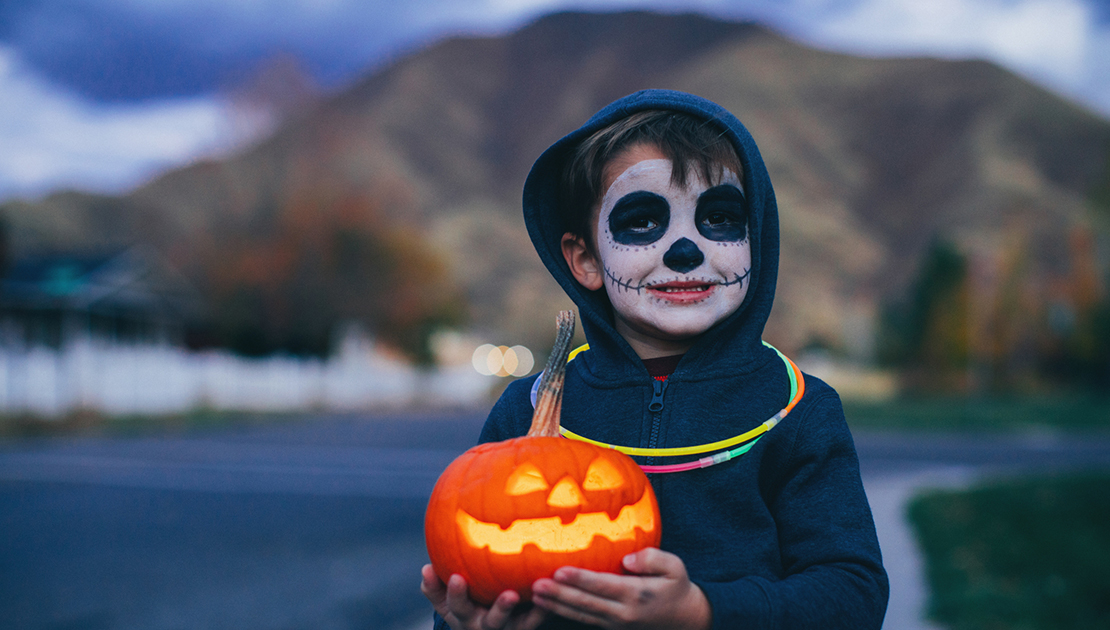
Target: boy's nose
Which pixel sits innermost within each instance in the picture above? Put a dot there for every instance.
(683, 256)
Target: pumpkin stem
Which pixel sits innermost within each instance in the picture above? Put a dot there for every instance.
(549, 398)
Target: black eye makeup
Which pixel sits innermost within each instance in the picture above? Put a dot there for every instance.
(639, 218)
(722, 215)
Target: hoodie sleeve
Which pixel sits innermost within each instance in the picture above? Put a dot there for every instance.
(832, 573)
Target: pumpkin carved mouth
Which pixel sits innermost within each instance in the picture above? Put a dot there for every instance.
(550, 535)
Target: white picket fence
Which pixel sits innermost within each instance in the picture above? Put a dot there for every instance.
(161, 379)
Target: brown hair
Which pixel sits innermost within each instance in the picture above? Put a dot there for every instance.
(687, 141)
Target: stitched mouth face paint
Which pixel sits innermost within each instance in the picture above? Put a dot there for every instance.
(676, 260)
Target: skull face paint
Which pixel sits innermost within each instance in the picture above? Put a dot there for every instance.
(676, 260)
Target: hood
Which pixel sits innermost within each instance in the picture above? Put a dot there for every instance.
(733, 344)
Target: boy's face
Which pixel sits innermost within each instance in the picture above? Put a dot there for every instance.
(675, 260)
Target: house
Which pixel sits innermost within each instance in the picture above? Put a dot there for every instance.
(122, 297)
(105, 333)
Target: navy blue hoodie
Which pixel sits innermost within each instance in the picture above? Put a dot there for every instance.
(781, 537)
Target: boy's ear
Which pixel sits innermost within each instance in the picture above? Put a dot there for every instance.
(584, 265)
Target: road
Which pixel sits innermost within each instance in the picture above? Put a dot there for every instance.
(317, 523)
(311, 524)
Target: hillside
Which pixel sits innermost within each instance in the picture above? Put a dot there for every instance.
(872, 159)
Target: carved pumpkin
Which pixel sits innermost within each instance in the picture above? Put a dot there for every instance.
(505, 514)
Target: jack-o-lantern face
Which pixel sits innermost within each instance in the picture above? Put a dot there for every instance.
(506, 514)
(549, 533)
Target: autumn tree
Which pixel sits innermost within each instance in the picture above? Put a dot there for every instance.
(927, 334)
(327, 262)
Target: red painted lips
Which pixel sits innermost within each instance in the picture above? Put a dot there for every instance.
(682, 292)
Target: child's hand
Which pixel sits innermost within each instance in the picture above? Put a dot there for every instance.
(453, 603)
(658, 594)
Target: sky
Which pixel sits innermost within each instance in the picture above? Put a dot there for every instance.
(101, 95)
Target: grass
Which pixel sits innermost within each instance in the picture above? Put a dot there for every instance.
(1028, 554)
(992, 414)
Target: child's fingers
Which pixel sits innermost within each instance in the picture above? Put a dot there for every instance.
(570, 602)
(458, 599)
(604, 585)
(429, 579)
(433, 588)
(652, 561)
(530, 620)
(501, 611)
(459, 607)
(658, 589)
(592, 598)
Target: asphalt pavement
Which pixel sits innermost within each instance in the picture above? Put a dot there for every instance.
(317, 522)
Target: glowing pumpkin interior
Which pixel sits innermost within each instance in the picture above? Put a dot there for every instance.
(550, 534)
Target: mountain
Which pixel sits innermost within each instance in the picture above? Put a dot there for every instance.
(873, 161)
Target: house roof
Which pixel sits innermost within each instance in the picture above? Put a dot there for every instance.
(135, 281)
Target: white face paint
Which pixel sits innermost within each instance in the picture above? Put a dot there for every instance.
(676, 260)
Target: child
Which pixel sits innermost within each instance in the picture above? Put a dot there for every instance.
(658, 219)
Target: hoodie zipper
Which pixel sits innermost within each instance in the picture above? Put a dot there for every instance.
(659, 389)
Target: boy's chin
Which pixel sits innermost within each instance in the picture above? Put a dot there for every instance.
(681, 333)
(676, 330)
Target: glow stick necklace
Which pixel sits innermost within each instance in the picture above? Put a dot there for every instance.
(747, 439)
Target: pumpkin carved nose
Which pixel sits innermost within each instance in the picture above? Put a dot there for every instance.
(566, 493)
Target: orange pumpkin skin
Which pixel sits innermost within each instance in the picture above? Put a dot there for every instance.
(505, 514)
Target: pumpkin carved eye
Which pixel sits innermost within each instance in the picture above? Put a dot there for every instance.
(526, 479)
(602, 475)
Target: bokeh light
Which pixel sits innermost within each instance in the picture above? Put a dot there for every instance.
(491, 360)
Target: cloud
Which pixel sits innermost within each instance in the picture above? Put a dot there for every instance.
(51, 138)
(102, 94)
(125, 50)
(1060, 43)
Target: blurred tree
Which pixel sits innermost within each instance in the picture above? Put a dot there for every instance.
(1001, 326)
(1075, 345)
(927, 334)
(1005, 306)
(5, 246)
(325, 263)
